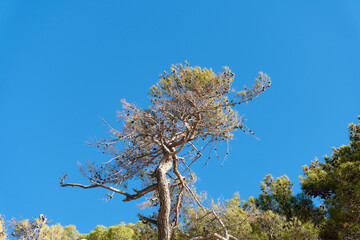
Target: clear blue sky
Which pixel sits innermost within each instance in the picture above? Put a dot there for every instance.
(66, 64)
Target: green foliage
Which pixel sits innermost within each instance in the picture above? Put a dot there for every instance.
(277, 196)
(246, 222)
(201, 90)
(58, 232)
(130, 231)
(295, 229)
(97, 234)
(70, 232)
(337, 182)
(269, 224)
(38, 228)
(237, 220)
(119, 232)
(24, 229)
(144, 231)
(201, 222)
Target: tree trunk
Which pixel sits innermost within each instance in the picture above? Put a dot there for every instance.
(163, 223)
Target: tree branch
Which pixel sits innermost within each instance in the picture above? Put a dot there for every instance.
(178, 200)
(214, 235)
(146, 219)
(210, 236)
(129, 197)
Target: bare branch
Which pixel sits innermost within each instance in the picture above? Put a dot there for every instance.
(195, 148)
(63, 179)
(210, 236)
(214, 235)
(129, 197)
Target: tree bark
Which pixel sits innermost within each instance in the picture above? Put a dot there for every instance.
(163, 222)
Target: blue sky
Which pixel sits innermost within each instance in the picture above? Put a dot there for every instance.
(66, 64)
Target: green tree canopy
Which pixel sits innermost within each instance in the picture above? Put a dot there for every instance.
(38, 228)
(277, 196)
(336, 180)
(248, 222)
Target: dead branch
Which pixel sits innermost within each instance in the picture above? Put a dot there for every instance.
(214, 235)
(129, 197)
(63, 179)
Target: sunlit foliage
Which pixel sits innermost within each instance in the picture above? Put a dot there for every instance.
(337, 181)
